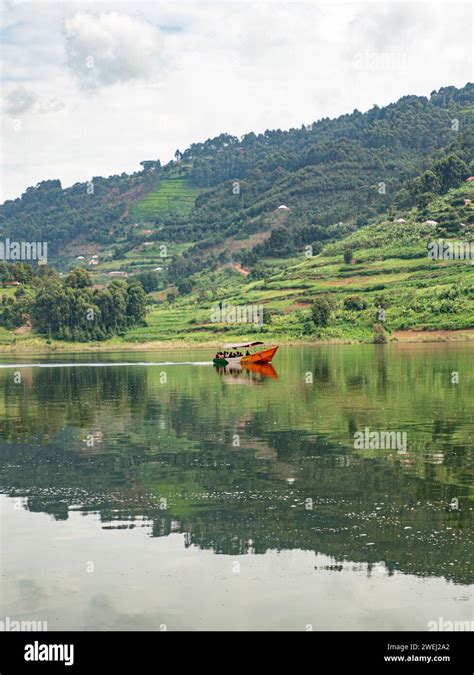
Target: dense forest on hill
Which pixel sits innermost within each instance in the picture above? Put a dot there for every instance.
(324, 226)
(344, 170)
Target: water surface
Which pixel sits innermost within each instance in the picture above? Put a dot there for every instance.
(151, 491)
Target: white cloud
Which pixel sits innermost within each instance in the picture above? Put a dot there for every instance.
(111, 48)
(19, 100)
(171, 73)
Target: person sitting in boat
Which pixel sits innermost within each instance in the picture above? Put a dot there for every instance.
(247, 353)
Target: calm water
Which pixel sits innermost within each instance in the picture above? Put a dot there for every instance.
(142, 494)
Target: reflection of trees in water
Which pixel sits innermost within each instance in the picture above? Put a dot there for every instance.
(77, 395)
(235, 504)
(174, 442)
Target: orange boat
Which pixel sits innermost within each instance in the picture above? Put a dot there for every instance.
(263, 356)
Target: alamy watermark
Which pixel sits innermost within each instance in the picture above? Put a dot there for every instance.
(11, 625)
(450, 250)
(441, 624)
(369, 60)
(221, 313)
(380, 440)
(23, 250)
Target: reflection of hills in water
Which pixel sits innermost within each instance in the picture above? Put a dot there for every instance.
(247, 469)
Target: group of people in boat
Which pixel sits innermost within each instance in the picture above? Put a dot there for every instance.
(230, 355)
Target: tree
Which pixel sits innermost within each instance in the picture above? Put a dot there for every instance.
(451, 171)
(151, 281)
(348, 253)
(258, 272)
(23, 272)
(79, 278)
(151, 165)
(355, 303)
(321, 311)
(184, 286)
(5, 272)
(136, 303)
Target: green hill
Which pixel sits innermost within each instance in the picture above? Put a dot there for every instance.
(347, 170)
(390, 269)
(339, 213)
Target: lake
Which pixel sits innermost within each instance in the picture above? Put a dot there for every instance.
(330, 492)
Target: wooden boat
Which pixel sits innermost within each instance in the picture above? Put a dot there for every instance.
(263, 356)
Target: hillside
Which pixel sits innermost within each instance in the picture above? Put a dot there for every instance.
(343, 170)
(339, 213)
(388, 269)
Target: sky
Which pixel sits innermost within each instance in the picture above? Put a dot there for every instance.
(93, 88)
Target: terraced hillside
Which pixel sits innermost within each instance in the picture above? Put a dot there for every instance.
(338, 215)
(390, 270)
(175, 196)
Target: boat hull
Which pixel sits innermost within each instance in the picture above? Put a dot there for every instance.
(265, 356)
(220, 362)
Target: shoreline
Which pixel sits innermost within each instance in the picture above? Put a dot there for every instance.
(40, 346)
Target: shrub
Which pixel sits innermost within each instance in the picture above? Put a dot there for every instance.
(380, 334)
(308, 327)
(348, 254)
(321, 311)
(184, 286)
(355, 303)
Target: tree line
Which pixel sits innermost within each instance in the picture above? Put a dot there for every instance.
(69, 308)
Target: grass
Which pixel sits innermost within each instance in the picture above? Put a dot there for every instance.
(175, 196)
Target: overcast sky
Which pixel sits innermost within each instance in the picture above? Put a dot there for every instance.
(93, 88)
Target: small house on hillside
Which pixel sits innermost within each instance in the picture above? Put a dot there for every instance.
(118, 274)
(470, 179)
(283, 208)
(93, 262)
(400, 220)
